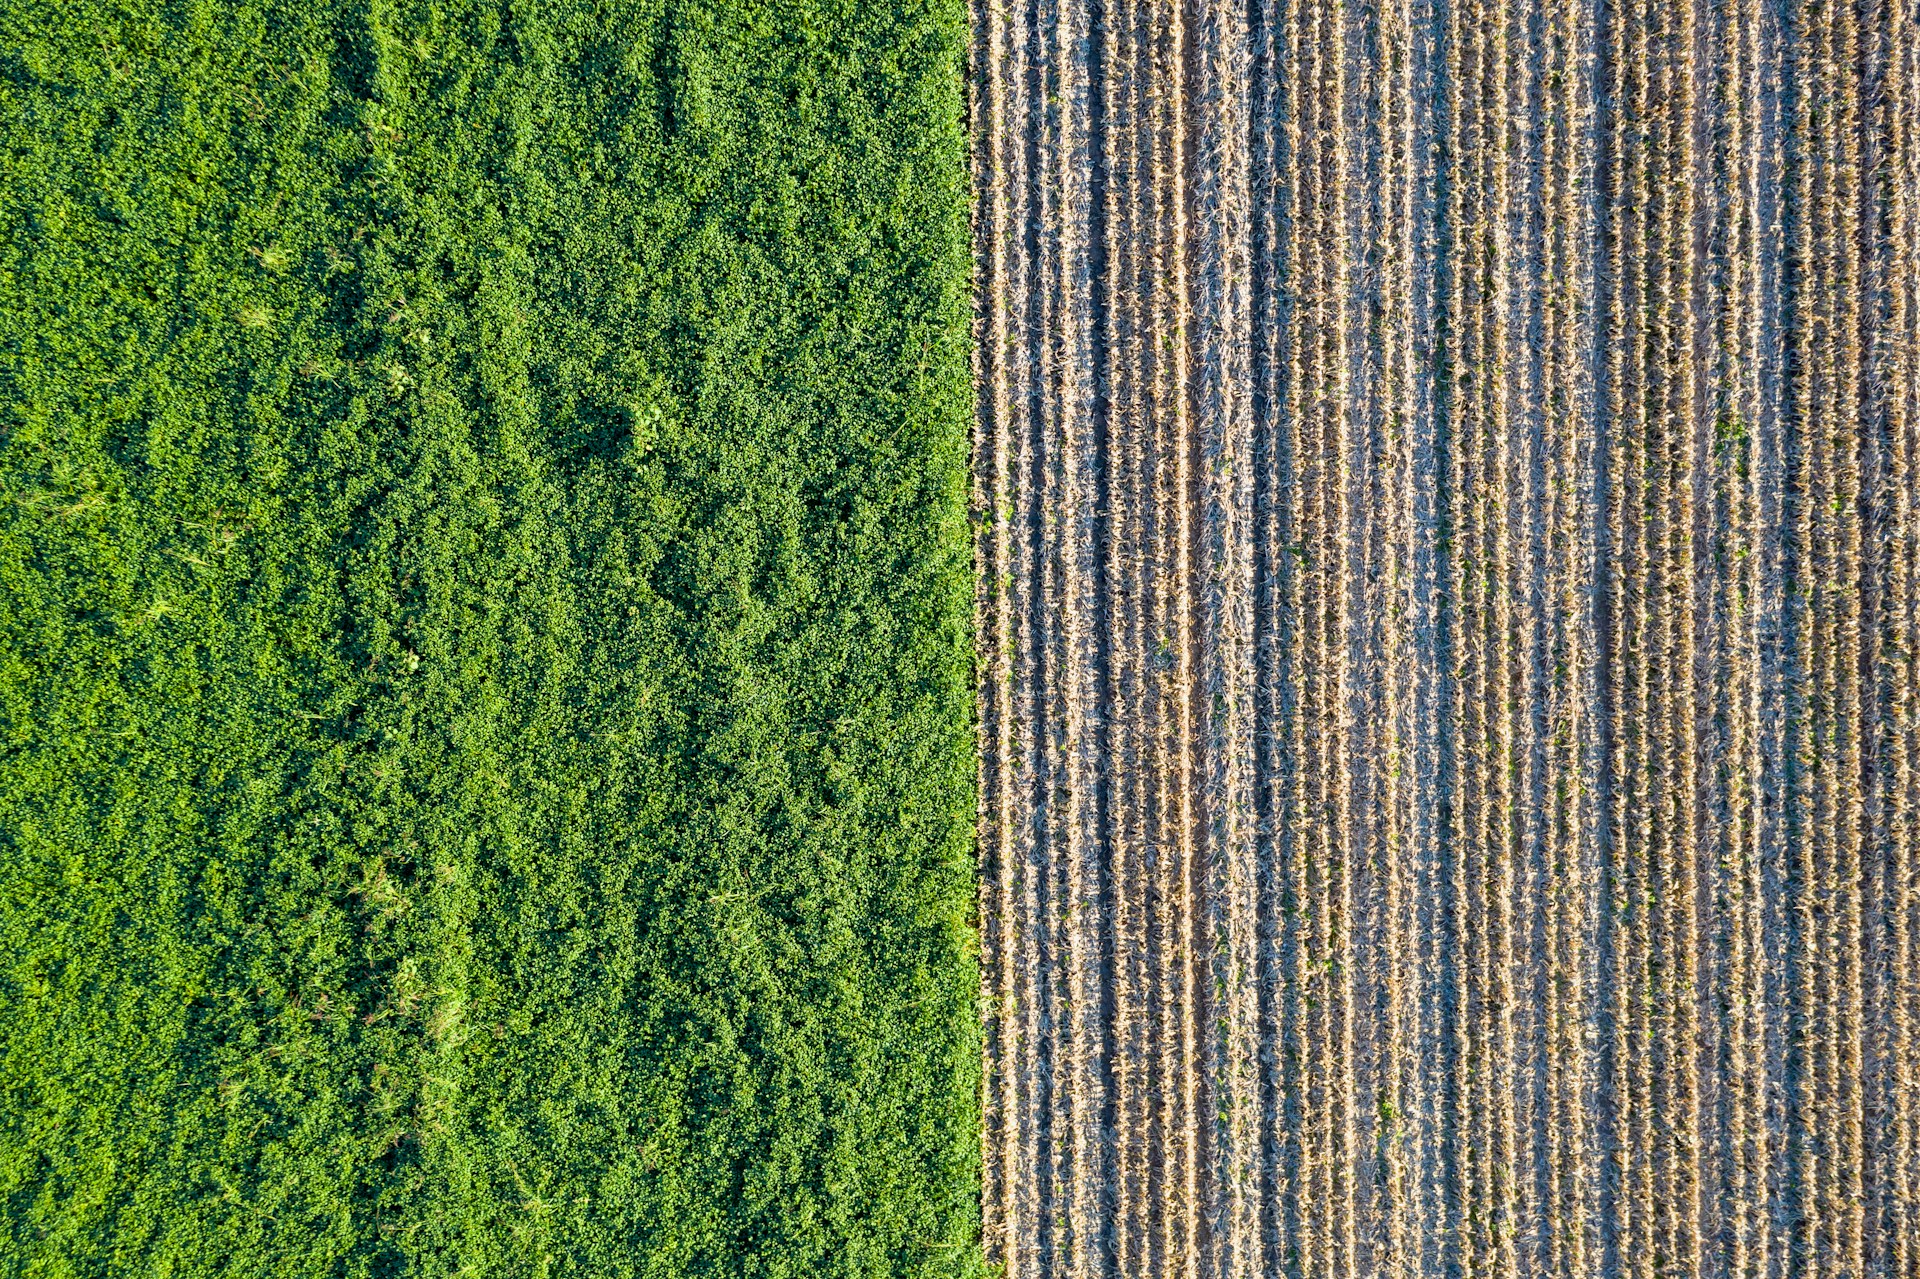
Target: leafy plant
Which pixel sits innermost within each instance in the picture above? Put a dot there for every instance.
(484, 640)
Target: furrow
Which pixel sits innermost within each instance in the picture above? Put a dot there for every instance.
(1315, 408)
(1897, 823)
(1452, 1172)
(1300, 1234)
(1225, 1105)
(1478, 566)
(1829, 582)
(1176, 612)
(1274, 1053)
(1732, 779)
(1810, 815)
(1055, 638)
(1561, 1128)
(1503, 377)
(993, 570)
(1170, 837)
(1128, 417)
(1375, 641)
(1148, 247)
(1902, 636)
(1639, 758)
(1321, 530)
(1027, 1206)
(1776, 912)
(1673, 672)
(1888, 642)
(1532, 958)
(1061, 627)
(1848, 598)
(1335, 565)
(1084, 654)
(1630, 1244)
(1391, 1229)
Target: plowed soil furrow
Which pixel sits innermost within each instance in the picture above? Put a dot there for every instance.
(1886, 493)
(1128, 78)
(1472, 495)
(1894, 1228)
(1561, 1134)
(1379, 643)
(1278, 1166)
(1022, 1039)
(1224, 1194)
(1735, 1145)
(1449, 637)
(1084, 654)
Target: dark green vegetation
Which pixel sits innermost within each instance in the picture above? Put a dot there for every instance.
(484, 755)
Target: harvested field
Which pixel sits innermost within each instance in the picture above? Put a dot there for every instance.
(1449, 605)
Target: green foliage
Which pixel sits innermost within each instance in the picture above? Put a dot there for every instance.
(484, 707)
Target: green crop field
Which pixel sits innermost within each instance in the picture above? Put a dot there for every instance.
(485, 750)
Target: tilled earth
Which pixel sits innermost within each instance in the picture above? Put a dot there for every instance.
(1449, 613)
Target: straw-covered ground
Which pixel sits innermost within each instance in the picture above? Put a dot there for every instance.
(1449, 607)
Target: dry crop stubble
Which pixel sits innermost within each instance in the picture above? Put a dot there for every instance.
(1499, 638)
(1895, 1223)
